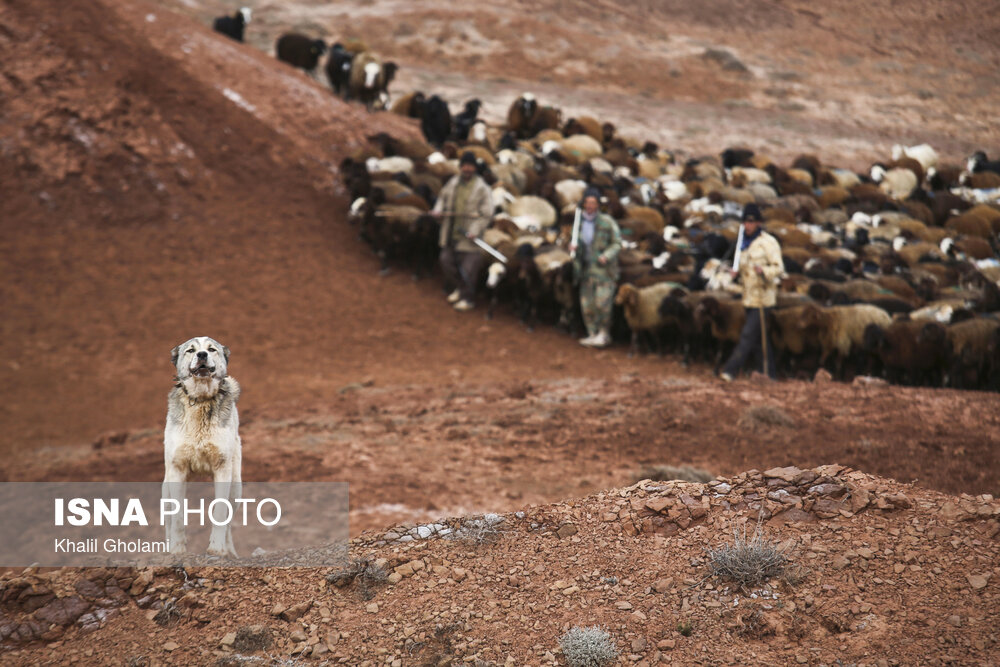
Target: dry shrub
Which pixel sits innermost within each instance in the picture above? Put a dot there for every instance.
(665, 473)
(588, 647)
(365, 572)
(763, 417)
(479, 530)
(752, 625)
(748, 561)
(169, 614)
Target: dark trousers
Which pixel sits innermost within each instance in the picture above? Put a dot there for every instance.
(461, 271)
(749, 348)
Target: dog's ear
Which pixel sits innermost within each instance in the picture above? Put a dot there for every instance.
(174, 353)
(225, 353)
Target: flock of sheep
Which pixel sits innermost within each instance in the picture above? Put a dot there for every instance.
(354, 72)
(893, 272)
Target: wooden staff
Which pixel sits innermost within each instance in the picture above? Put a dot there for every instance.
(763, 337)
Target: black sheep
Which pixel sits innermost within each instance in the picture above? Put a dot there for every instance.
(300, 51)
(464, 121)
(736, 157)
(338, 68)
(232, 26)
(436, 121)
(979, 163)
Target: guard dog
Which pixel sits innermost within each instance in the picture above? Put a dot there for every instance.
(202, 436)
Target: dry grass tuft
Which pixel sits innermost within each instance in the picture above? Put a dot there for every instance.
(763, 417)
(479, 530)
(749, 561)
(588, 647)
(665, 473)
(365, 572)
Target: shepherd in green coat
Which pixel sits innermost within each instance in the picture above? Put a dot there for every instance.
(595, 246)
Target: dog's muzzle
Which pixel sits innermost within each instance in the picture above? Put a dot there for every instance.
(202, 370)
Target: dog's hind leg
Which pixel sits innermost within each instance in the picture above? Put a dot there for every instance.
(174, 489)
(236, 492)
(220, 543)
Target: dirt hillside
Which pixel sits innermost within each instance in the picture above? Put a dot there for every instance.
(158, 181)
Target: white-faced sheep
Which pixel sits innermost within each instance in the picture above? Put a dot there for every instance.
(300, 51)
(233, 26)
(370, 79)
(978, 163)
(531, 213)
(898, 183)
(841, 329)
(569, 192)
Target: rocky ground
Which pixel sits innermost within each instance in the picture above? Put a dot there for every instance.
(878, 573)
(158, 182)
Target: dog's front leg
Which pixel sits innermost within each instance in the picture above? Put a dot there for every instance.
(175, 488)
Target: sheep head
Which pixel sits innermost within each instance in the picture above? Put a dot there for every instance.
(932, 333)
(628, 296)
(389, 70)
(812, 317)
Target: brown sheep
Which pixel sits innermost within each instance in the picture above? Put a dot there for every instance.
(968, 343)
(833, 195)
(647, 214)
(790, 236)
(584, 125)
(520, 114)
(725, 318)
(408, 104)
(984, 180)
(841, 329)
(990, 213)
(908, 163)
(911, 351)
(898, 286)
(912, 252)
(971, 246)
(971, 223)
(792, 343)
(641, 309)
(546, 118)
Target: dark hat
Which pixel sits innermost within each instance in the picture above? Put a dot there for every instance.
(468, 157)
(591, 191)
(752, 213)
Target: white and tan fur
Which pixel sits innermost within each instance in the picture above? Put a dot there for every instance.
(202, 435)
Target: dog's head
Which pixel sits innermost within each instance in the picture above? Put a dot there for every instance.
(200, 362)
